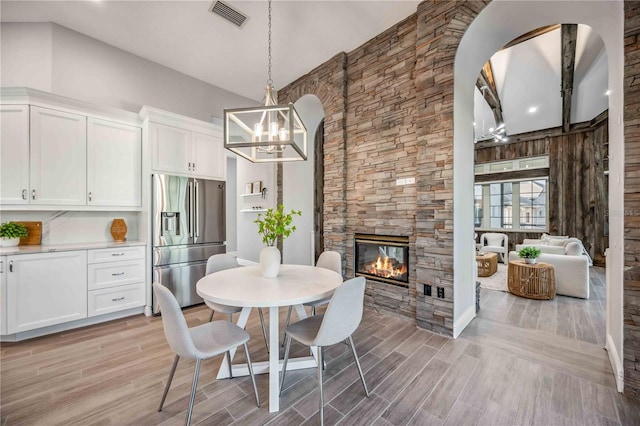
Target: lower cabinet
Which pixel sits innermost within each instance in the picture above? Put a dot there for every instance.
(45, 289)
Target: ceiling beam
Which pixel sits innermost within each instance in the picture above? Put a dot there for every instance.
(569, 34)
(531, 34)
(491, 94)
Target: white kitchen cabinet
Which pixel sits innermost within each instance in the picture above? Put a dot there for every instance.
(58, 172)
(114, 164)
(45, 289)
(184, 146)
(14, 154)
(208, 156)
(116, 279)
(170, 149)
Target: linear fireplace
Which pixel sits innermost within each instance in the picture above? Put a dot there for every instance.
(383, 258)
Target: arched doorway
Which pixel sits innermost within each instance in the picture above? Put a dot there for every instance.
(484, 37)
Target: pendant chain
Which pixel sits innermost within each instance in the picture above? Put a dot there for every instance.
(270, 81)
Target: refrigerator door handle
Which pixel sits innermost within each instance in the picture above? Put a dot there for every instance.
(197, 209)
(190, 208)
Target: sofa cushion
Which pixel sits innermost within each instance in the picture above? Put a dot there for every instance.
(573, 249)
(555, 242)
(494, 240)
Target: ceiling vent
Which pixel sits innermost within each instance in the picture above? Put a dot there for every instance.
(228, 13)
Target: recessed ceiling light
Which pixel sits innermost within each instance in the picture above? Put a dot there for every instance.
(607, 93)
(532, 109)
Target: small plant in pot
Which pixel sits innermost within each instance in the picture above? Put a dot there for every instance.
(11, 232)
(529, 254)
(276, 225)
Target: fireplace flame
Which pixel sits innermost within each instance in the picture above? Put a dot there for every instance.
(383, 267)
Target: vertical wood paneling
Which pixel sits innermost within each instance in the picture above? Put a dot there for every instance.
(578, 196)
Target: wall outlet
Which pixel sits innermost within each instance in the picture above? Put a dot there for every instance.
(427, 290)
(440, 292)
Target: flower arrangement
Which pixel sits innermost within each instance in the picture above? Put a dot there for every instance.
(529, 253)
(276, 224)
(13, 230)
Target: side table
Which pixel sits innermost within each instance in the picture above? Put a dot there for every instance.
(487, 264)
(534, 281)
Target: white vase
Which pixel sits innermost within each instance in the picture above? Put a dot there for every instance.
(9, 242)
(531, 261)
(270, 261)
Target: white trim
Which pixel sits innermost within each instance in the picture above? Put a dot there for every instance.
(464, 321)
(245, 262)
(167, 118)
(618, 368)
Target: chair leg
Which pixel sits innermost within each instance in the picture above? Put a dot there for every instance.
(320, 363)
(229, 364)
(193, 390)
(253, 378)
(313, 310)
(166, 388)
(211, 317)
(264, 329)
(230, 317)
(355, 355)
(284, 364)
(286, 324)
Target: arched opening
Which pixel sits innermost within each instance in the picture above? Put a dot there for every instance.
(482, 39)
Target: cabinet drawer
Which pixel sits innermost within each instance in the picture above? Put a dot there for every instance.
(115, 254)
(110, 274)
(115, 299)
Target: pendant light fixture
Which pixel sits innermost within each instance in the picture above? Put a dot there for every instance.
(269, 132)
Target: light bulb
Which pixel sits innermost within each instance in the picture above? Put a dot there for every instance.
(273, 131)
(257, 132)
(283, 134)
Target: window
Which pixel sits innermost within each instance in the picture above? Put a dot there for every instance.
(495, 205)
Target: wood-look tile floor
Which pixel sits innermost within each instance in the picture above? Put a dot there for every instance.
(493, 374)
(580, 319)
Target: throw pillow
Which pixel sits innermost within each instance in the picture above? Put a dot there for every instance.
(573, 249)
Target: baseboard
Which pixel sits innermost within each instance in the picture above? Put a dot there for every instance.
(614, 359)
(464, 321)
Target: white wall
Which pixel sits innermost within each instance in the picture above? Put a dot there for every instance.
(52, 58)
(298, 187)
(249, 242)
(500, 22)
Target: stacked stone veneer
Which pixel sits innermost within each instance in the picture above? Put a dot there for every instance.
(632, 199)
(389, 115)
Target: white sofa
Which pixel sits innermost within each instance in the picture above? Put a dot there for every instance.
(550, 244)
(572, 273)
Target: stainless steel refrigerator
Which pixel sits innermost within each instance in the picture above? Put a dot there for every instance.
(188, 226)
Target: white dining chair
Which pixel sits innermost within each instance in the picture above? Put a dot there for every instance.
(330, 260)
(221, 262)
(201, 342)
(337, 324)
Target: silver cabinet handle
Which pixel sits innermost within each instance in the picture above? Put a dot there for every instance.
(117, 254)
(117, 299)
(117, 274)
(190, 209)
(90, 195)
(1, 266)
(11, 266)
(24, 194)
(194, 167)
(33, 194)
(197, 209)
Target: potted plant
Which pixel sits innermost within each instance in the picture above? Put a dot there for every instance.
(275, 225)
(11, 232)
(529, 254)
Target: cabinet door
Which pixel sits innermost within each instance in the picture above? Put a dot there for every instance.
(169, 149)
(45, 289)
(208, 157)
(114, 164)
(14, 154)
(58, 157)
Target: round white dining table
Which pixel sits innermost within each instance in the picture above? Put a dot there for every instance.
(247, 288)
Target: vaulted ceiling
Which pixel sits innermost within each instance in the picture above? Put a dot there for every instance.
(185, 36)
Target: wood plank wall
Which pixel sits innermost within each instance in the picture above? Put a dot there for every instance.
(578, 187)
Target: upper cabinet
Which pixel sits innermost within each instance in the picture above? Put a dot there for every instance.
(53, 154)
(58, 157)
(114, 164)
(14, 154)
(184, 146)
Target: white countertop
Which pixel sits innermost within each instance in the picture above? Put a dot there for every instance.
(7, 251)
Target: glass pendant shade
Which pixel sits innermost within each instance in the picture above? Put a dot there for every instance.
(266, 133)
